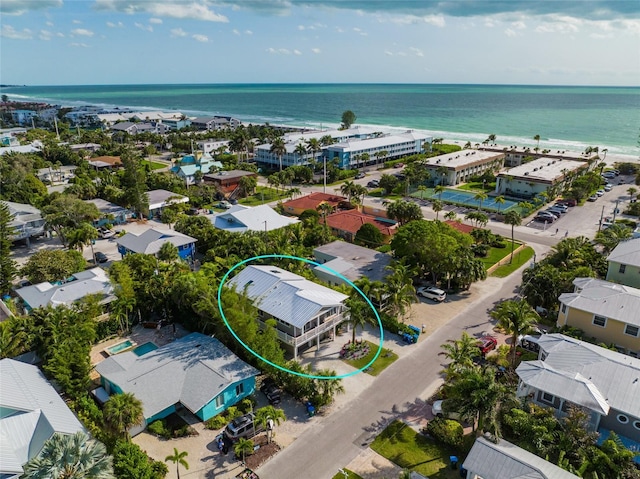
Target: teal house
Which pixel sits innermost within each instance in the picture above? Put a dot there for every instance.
(196, 372)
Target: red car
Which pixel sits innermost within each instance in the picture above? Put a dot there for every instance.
(487, 344)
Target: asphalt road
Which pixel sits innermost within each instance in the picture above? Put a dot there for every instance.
(340, 437)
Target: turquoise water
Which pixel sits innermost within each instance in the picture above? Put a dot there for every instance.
(565, 117)
(145, 348)
(467, 198)
(120, 347)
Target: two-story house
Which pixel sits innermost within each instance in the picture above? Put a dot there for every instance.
(305, 312)
(606, 311)
(624, 263)
(150, 242)
(573, 372)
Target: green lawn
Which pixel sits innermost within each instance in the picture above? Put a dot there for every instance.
(523, 257)
(263, 195)
(153, 164)
(410, 450)
(385, 359)
(351, 475)
(477, 186)
(496, 254)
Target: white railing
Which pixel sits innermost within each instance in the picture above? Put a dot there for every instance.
(311, 334)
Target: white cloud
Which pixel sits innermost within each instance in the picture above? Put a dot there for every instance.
(170, 8)
(600, 36)
(435, 20)
(339, 30)
(402, 54)
(141, 26)
(279, 51)
(316, 50)
(416, 51)
(389, 53)
(356, 29)
(489, 23)
(519, 25)
(115, 25)
(9, 32)
(236, 31)
(510, 33)
(18, 7)
(77, 22)
(45, 35)
(157, 21)
(49, 24)
(81, 45)
(60, 34)
(82, 32)
(297, 52)
(248, 32)
(560, 24)
(178, 32)
(200, 38)
(301, 27)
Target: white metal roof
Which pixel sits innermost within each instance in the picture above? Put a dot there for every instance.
(461, 158)
(547, 169)
(192, 370)
(32, 412)
(284, 295)
(615, 375)
(603, 298)
(241, 218)
(150, 241)
(507, 461)
(353, 145)
(627, 252)
(159, 198)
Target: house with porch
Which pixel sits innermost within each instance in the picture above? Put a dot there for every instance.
(26, 220)
(31, 412)
(240, 218)
(187, 167)
(608, 312)
(110, 212)
(160, 199)
(624, 263)
(227, 182)
(503, 460)
(204, 376)
(150, 242)
(305, 312)
(573, 372)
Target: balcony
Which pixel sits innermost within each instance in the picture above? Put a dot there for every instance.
(328, 325)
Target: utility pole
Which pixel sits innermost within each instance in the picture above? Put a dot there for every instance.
(601, 218)
(55, 122)
(324, 158)
(615, 211)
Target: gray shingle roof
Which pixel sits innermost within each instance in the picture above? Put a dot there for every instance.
(38, 412)
(616, 376)
(151, 240)
(507, 461)
(354, 262)
(92, 281)
(627, 252)
(285, 295)
(603, 298)
(192, 370)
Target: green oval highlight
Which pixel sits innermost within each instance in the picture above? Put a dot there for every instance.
(281, 368)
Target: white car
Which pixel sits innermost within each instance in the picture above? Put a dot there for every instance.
(106, 232)
(438, 411)
(600, 192)
(431, 292)
(608, 187)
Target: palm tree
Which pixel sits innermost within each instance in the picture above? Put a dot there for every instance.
(325, 209)
(460, 352)
(360, 314)
(83, 236)
(499, 201)
(612, 236)
(178, 458)
(467, 145)
(264, 414)
(241, 448)
(632, 191)
(437, 207)
(492, 138)
(514, 219)
(278, 148)
(422, 189)
(295, 192)
(328, 387)
(168, 252)
(121, 412)
(451, 215)
(515, 318)
(400, 293)
(70, 457)
(347, 189)
(480, 196)
(301, 150)
(537, 138)
(438, 190)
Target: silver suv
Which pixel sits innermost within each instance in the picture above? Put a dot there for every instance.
(243, 426)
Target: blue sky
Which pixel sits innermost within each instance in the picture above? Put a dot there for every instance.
(567, 42)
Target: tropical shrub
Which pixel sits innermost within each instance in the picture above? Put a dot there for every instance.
(446, 431)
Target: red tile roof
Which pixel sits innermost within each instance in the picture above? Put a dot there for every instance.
(313, 200)
(352, 220)
(460, 226)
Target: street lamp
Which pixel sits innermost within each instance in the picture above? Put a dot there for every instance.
(265, 226)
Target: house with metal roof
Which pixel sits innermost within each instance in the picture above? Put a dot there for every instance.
(160, 199)
(187, 167)
(32, 412)
(573, 372)
(150, 242)
(503, 460)
(608, 312)
(196, 372)
(351, 261)
(624, 263)
(305, 312)
(26, 221)
(239, 219)
(111, 213)
(80, 285)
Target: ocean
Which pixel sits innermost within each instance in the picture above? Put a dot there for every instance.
(565, 117)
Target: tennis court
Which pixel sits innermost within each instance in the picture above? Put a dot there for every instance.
(467, 198)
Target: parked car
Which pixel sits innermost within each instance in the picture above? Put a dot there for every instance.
(270, 389)
(561, 207)
(373, 184)
(243, 426)
(224, 205)
(593, 198)
(398, 165)
(193, 211)
(487, 344)
(570, 202)
(360, 175)
(431, 292)
(549, 214)
(609, 174)
(544, 218)
(555, 211)
(608, 187)
(106, 232)
(600, 192)
(101, 257)
(438, 410)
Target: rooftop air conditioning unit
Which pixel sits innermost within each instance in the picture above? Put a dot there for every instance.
(535, 169)
(526, 173)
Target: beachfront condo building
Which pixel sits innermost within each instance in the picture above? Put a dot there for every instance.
(539, 176)
(516, 155)
(459, 166)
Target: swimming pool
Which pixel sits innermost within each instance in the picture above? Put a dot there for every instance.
(120, 347)
(467, 198)
(145, 348)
